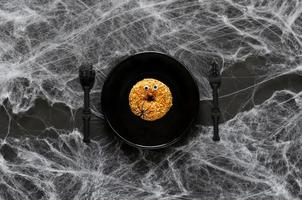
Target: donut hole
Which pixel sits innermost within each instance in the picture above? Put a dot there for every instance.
(150, 98)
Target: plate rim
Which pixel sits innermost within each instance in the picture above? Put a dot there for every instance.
(188, 127)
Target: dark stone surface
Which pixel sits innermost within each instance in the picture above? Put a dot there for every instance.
(257, 45)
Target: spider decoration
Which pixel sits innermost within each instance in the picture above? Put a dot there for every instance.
(143, 111)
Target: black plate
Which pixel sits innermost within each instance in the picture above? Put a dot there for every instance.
(134, 130)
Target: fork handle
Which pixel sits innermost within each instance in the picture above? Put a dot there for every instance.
(86, 115)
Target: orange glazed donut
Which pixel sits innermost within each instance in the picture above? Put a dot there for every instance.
(150, 99)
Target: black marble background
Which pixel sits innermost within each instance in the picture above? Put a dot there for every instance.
(258, 46)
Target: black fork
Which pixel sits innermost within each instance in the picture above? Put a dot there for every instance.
(215, 82)
(87, 79)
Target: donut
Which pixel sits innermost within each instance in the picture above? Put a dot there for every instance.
(150, 99)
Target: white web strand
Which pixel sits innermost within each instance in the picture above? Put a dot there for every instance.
(42, 43)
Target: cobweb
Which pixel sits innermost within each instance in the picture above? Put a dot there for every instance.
(42, 44)
(258, 158)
